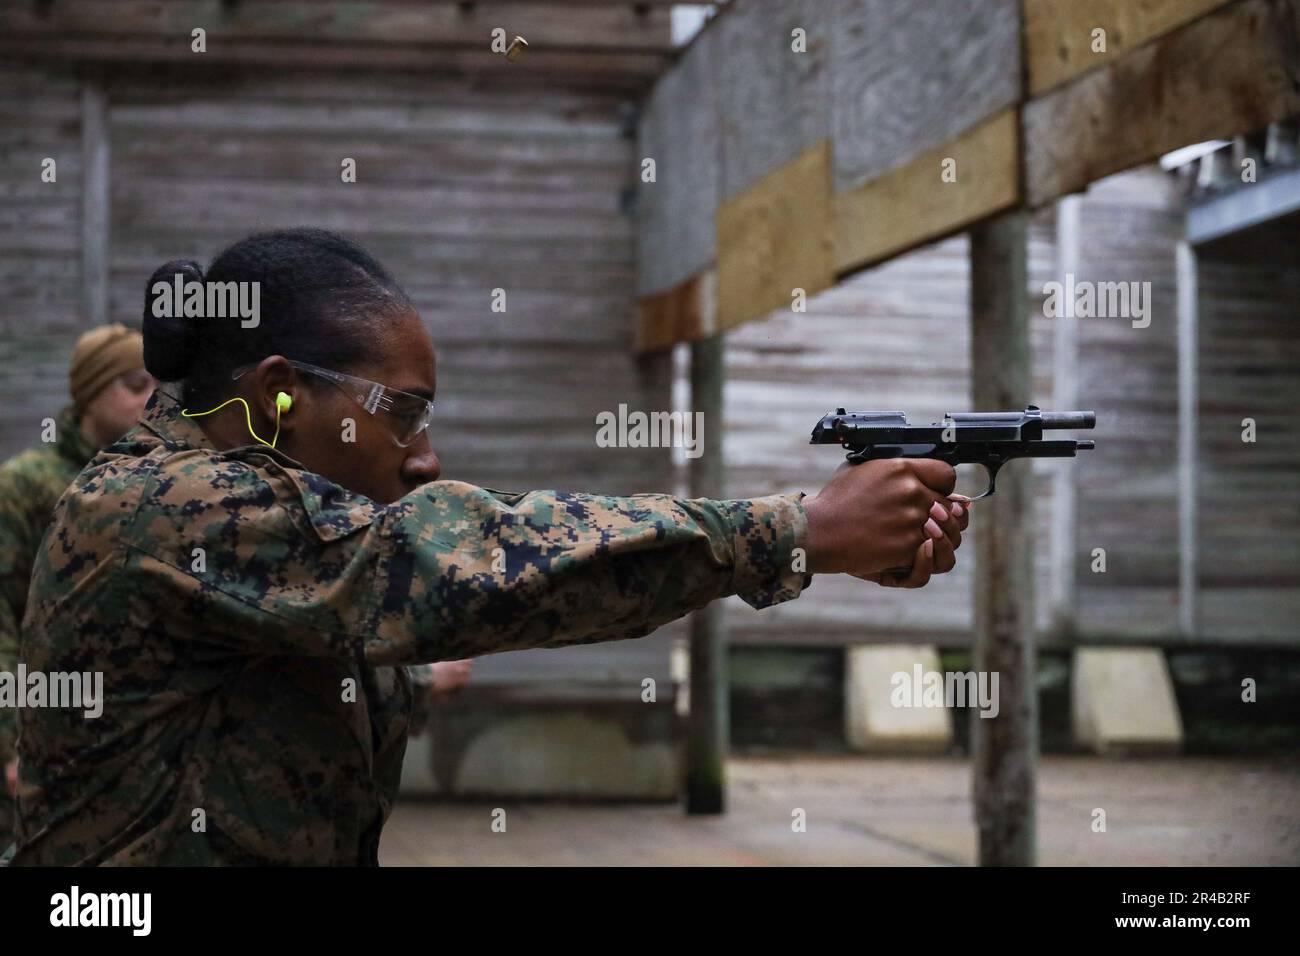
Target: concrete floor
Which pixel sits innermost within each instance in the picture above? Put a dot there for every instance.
(887, 812)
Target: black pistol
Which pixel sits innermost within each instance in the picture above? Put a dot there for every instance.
(990, 439)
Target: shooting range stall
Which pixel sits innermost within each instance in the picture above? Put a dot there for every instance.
(779, 170)
(774, 170)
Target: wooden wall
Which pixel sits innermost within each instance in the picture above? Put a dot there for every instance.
(460, 191)
(40, 247)
(1249, 367)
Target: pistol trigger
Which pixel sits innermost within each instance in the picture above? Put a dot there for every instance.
(992, 468)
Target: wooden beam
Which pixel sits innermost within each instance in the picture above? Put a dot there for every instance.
(708, 731)
(94, 203)
(913, 205)
(1188, 399)
(619, 27)
(908, 77)
(685, 313)
(1059, 41)
(1234, 71)
(775, 237)
(630, 72)
(1006, 746)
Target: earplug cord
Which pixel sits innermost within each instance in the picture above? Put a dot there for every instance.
(247, 415)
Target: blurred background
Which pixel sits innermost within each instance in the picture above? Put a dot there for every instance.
(797, 147)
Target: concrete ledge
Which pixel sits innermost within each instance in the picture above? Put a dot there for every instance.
(872, 720)
(624, 752)
(1122, 701)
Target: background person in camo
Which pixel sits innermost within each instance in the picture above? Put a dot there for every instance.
(254, 609)
(109, 387)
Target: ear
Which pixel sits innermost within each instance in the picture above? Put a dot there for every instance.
(277, 390)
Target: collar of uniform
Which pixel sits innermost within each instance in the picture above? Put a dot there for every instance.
(163, 417)
(333, 511)
(71, 444)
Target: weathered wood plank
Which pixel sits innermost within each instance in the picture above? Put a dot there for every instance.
(1059, 42)
(908, 77)
(94, 203)
(912, 204)
(1230, 72)
(774, 101)
(675, 212)
(775, 237)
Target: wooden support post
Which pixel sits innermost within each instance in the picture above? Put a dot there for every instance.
(1065, 395)
(708, 731)
(94, 204)
(1005, 746)
(1188, 592)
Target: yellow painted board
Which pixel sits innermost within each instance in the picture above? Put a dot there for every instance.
(1060, 42)
(775, 237)
(913, 204)
(1232, 72)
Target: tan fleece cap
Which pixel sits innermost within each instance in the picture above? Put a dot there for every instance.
(101, 355)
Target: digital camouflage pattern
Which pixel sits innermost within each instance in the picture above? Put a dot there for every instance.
(225, 735)
(30, 486)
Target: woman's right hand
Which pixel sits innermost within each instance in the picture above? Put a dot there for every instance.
(880, 514)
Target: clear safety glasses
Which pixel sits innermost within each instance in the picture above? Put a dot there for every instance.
(405, 415)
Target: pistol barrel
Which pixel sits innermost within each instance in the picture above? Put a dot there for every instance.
(1069, 419)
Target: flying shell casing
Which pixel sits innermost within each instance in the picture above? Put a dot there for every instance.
(517, 46)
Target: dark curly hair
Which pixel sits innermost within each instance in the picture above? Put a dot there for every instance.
(320, 297)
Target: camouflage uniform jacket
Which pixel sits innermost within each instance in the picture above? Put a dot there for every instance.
(231, 598)
(30, 486)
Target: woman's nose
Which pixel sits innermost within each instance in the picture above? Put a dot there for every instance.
(421, 467)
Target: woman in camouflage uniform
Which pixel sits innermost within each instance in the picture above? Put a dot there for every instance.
(251, 607)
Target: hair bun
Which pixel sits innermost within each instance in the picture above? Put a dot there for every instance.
(170, 340)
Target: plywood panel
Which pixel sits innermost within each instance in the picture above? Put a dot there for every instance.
(908, 77)
(912, 204)
(774, 101)
(679, 131)
(1232, 72)
(776, 237)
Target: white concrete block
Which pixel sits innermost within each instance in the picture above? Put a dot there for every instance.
(880, 708)
(560, 754)
(1122, 701)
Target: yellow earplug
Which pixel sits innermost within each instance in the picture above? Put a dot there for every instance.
(283, 402)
